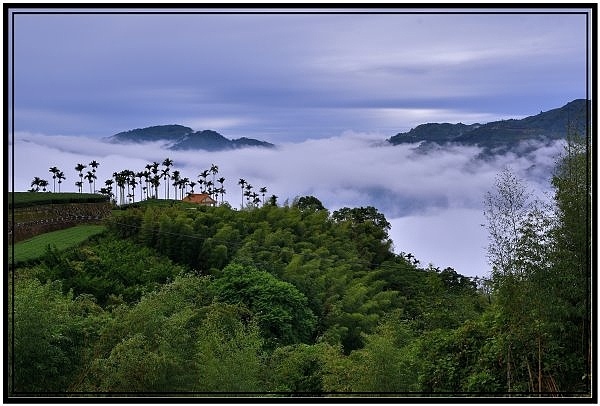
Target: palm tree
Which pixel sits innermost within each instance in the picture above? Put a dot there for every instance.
(35, 184)
(90, 176)
(133, 183)
(156, 178)
(221, 190)
(80, 168)
(120, 180)
(175, 177)
(248, 193)
(61, 177)
(167, 164)
(214, 169)
(43, 184)
(192, 184)
(108, 183)
(184, 183)
(79, 184)
(165, 175)
(155, 182)
(242, 183)
(146, 174)
(54, 170)
(94, 165)
(115, 175)
(203, 175)
(263, 191)
(140, 175)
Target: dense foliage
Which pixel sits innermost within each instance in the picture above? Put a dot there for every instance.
(297, 300)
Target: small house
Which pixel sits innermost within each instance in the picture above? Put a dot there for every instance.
(200, 198)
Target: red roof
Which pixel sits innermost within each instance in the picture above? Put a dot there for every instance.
(200, 198)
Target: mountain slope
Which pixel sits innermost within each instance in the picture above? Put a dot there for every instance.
(179, 137)
(504, 134)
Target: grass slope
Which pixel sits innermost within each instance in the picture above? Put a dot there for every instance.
(27, 199)
(62, 239)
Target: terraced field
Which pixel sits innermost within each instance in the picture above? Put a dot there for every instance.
(31, 214)
(35, 247)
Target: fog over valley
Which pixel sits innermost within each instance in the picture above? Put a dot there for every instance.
(432, 198)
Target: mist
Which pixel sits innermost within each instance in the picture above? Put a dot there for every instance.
(433, 200)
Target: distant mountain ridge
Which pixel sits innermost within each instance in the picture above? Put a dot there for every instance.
(179, 137)
(500, 136)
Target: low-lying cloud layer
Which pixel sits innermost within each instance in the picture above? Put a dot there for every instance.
(433, 199)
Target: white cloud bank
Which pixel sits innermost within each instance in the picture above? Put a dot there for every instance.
(433, 200)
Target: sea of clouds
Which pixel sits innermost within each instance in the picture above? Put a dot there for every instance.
(432, 199)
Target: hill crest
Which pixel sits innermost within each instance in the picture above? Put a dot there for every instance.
(503, 134)
(178, 137)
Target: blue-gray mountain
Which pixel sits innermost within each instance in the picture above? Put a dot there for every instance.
(501, 136)
(178, 137)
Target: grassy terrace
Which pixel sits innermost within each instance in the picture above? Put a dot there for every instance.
(27, 199)
(35, 247)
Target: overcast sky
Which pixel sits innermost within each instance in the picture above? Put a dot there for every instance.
(328, 89)
(283, 77)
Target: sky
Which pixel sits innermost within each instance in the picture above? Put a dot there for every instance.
(327, 89)
(284, 77)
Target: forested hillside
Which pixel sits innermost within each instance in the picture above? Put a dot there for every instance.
(179, 298)
(504, 135)
(184, 138)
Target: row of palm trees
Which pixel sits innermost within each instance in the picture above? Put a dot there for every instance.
(252, 198)
(122, 185)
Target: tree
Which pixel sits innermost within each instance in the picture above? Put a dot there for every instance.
(80, 168)
(368, 228)
(525, 253)
(35, 184)
(94, 165)
(279, 308)
(203, 175)
(214, 169)
(221, 189)
(61, 176)
(242, 183)
(91, 177)
(176, 178)
(167, 163)
(506, 208)
(572, 197)
(299, 367)
(229, 352)
(310, 203)
(153, 177)
(43, 184)
(51, 332)
(140, 175)
(263, 192)
(273, 200)
(54, 171)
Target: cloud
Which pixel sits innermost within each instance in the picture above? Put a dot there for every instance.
(434, 199)
(290, 76)
(445, 238)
